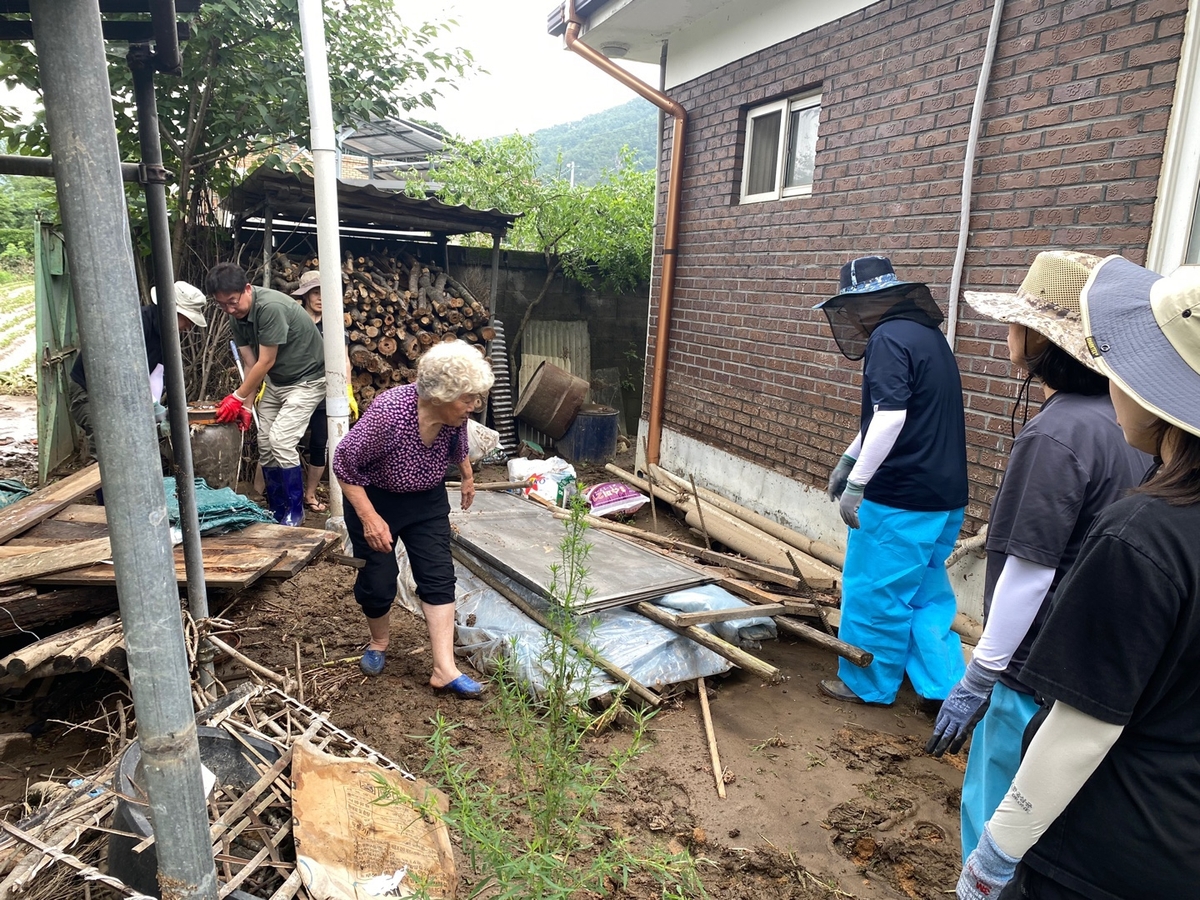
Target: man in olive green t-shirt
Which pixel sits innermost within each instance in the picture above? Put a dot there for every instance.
(279, 345)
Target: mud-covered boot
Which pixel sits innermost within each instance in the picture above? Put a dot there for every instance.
(292, 496)
(275, 493)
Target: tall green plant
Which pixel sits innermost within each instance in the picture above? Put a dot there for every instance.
(534, 830)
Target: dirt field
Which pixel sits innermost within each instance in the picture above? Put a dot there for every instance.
(823, 800)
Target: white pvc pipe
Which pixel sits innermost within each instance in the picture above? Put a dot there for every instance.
(964, 221)
(324, 151)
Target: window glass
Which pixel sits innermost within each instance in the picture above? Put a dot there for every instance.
(802, 146)
(764, 152)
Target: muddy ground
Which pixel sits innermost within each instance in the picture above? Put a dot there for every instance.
(823, 800)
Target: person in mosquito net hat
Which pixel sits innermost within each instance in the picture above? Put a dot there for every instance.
(1069, 462)
(1106, 801)
(901, 486)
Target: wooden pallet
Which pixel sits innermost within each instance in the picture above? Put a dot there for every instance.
(231, 561)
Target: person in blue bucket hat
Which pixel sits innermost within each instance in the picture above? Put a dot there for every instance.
(901, 487)
(1106, 801)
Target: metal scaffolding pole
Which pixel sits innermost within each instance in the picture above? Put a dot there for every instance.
(325, 178)
(143, 64)
(83, 142)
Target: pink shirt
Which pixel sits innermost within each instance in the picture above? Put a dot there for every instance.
(384, 448)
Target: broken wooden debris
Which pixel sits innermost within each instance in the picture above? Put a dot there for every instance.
(758, 571)
(19, 563)
(735, 655)
(708, 616)
(817, 549)
(737, 534)
(710, 734)
(636, 688)
(19, 517)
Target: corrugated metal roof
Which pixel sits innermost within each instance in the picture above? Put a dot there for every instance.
(361, 204)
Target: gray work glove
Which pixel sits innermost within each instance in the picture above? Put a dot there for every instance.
(962, 710)
(987, 870)
(852, 498)
(839, 476)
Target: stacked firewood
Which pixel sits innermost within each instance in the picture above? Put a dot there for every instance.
(395, 307)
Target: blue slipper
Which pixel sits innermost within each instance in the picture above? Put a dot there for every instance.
(463, 686)
(372, 662)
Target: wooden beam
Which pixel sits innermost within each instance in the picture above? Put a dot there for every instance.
(42, 504)
(735, 655)
(21, 563)
(703, 617)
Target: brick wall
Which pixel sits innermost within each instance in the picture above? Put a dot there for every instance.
(1069, 157)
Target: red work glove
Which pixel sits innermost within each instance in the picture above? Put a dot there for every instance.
(232, 409)
(244, 418)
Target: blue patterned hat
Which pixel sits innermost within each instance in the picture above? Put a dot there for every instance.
(866, 275)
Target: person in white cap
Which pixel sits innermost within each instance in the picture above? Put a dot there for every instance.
(1106, 802)
(189, 305)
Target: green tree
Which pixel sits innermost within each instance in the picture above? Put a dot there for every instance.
(20, 199)
(242, 92)
(599, 234)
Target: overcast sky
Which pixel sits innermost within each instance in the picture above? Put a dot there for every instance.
(532, 82)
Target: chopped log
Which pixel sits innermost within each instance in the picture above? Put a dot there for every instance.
(387, 346)
(98, 654)
(27, 658)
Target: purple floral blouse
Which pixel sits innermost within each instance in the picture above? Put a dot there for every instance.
(384, 448)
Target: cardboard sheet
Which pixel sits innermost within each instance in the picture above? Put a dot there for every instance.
(351, 847)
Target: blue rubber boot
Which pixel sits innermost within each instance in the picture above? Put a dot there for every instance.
(276, 496)
(291, 496)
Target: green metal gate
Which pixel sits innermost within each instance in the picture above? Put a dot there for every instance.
(58, 345)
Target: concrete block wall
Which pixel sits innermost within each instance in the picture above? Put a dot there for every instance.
(1069, 157)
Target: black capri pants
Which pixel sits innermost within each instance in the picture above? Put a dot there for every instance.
(318, 436)
(421, 520)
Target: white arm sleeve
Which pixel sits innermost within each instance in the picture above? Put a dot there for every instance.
(156, 383)
(1062, 756)
(1018, 596)
(855, 446)
(877, 443)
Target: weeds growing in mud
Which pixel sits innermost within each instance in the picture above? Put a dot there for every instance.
(533, 829)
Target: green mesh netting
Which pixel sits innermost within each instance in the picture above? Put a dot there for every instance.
(219, 510)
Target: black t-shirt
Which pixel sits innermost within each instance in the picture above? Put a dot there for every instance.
(1069, 462)
(154, 350)
(909, 366)
(1121, 643)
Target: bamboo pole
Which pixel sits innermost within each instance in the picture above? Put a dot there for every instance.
(848, 652)
(706, 716)
(735, 655)
(700, 513)
(635, 687)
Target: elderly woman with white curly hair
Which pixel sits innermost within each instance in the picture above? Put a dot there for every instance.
(392, 465)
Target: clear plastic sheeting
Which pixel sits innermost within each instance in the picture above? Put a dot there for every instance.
(652, 654)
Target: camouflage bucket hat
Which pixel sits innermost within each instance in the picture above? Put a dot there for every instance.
(1047, 300)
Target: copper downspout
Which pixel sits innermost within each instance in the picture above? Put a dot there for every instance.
(658, 392)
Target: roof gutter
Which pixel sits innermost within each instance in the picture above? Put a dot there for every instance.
(658, 391)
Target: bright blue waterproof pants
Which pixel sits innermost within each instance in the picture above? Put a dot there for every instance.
(993, 760)
(897, 603)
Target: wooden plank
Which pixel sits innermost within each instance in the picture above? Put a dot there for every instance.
(747, 591)
(42, 504)
(295, 547)
(684, 619)
(232, 569)
(29, 562)
(31, 610)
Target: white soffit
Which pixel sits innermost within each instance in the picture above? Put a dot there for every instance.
(704, 35)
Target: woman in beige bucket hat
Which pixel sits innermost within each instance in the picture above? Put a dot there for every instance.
(1068, 463)
(1106, 802)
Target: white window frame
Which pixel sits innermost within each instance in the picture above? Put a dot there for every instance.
(1179, 182)
(785, 108)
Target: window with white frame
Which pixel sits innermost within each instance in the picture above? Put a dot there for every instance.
(781, 149)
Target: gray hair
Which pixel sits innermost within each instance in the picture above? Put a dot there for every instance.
(451, 369)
